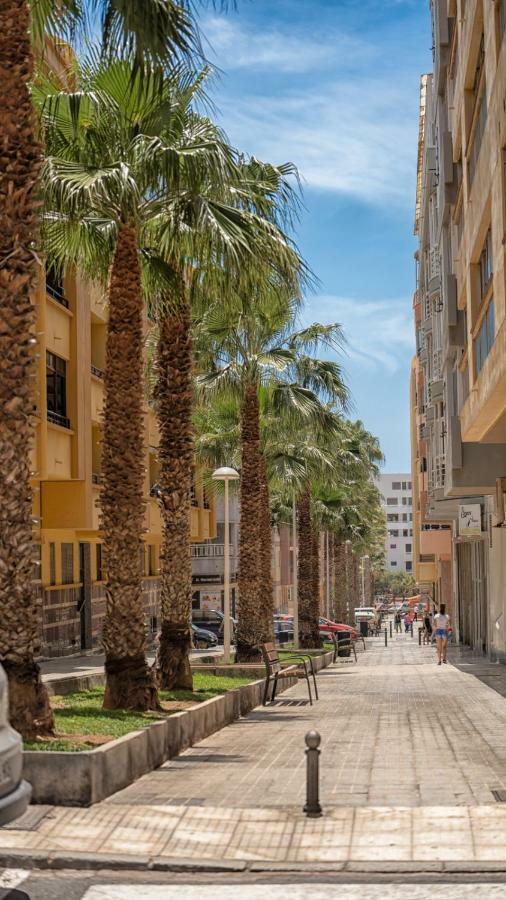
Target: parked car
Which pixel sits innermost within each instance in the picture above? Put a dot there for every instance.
(212, 620)
(326, 625)
(203, 639)
(14, 792)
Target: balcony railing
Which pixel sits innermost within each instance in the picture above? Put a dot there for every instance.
(56, 293)
(57, 419)
(98, 373)
(96, 478)
(207, 551)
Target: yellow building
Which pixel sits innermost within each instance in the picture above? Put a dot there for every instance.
(71, 337)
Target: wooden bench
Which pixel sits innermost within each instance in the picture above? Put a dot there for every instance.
(342, 645)
(274, 670)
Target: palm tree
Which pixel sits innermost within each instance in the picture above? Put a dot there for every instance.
(248, 347)
(115, 150)
(152, 30)
(225, 226)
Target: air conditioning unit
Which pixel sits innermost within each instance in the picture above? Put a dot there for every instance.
(500, 501)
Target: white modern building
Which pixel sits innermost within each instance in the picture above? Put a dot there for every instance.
(397, 501)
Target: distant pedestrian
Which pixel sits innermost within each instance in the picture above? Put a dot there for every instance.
(397, 622)
(442, 626)
(407, 623)
(416, 615)
(427, 628)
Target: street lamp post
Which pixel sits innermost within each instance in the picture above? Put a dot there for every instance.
(226, 474)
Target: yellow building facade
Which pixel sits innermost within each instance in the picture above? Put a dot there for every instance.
(71, 341)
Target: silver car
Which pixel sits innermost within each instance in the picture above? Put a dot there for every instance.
(14, 792)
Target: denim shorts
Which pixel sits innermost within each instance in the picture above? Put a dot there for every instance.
(441, 633)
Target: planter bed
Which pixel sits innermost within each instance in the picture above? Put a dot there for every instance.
(63, 778)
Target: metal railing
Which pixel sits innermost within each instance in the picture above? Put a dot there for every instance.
(207, 551)
(56, 295)
(98, 373)
(96, 478)
(57, 419)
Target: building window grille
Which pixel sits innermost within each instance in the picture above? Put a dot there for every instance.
(67, 563)
(392, 501)
(99, 562)
(484, 339)
(396, 485)
(52, 563)
(56, 386)
(486, 265)
(408, 548)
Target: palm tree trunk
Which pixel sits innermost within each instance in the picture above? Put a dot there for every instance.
(315, 594)
(20, 160)
(250, 628)
(174, 401)
(340, 602)
(129, 684)
(309, 636)
(267, 586)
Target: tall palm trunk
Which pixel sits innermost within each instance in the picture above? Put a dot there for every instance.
(340, 602)
(332, 571)
(267, 585)
(250, 628)
(316, 593)
(20, 159)
(129, 684)
(174, 399)
(308, 629)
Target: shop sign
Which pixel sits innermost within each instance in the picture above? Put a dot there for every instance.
(207, 579)
(470, 520)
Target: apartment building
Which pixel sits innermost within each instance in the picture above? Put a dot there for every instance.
(459, 376)
(397, 503)
(71, 336)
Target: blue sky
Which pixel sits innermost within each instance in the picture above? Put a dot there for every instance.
(332, 85)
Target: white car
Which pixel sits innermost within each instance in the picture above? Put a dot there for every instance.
(14, 792)
(364, 612)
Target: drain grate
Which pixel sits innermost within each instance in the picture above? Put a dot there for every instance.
(500, 796)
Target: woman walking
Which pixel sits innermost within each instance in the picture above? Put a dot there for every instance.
(441, 624)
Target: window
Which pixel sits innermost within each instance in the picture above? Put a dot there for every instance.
(411, 517)
(411, 532)
(479, 112)
(396, 485)
(394, 533)
(404, 485)
(99, 562)
(409, 566)
(405, 532)
(56, 386)
(404, 517)
(486, 268)
(393, 563)
(408, 548)
(393, 546)
(484, 339)
(67, 563)
(392, 501)
(151, 559)
(52, 563)
(410, 486)
(392, 517)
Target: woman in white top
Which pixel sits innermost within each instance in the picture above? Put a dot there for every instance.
(441, 626)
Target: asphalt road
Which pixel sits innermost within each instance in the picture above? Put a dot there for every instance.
(17, 884)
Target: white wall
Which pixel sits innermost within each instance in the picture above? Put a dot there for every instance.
(399, 543)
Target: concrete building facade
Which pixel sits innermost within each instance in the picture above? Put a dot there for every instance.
(397, 503)
(459, 376)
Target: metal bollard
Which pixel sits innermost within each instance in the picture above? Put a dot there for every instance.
(312, 807)
(386, 638)
(419, 637)
(390, 629)
(412, 629)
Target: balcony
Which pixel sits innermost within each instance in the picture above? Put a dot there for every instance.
(96, 478)
(54, 287)
(207, 551)
(57, 419)
(98, 373)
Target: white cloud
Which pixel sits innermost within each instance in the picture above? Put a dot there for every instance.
(379, 333)
(235, 47)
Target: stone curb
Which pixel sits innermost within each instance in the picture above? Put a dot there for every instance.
(61, 778)
(37, 859)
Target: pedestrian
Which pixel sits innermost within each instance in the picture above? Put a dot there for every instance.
(427, 628)
(442, 625)
(407, 623)
(416, 615)
(397, 622)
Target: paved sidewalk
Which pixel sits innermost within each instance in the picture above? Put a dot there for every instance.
(411, 753)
